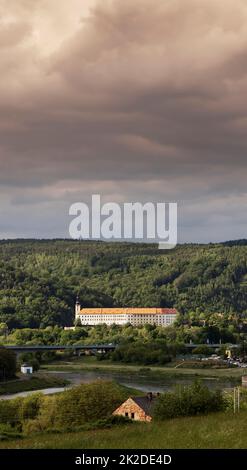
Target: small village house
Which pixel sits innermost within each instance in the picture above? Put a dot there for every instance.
(138, 408)
(26, 369)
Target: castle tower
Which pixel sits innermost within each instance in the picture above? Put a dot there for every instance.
(77, 308)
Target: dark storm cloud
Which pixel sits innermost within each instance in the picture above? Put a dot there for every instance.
(144, 97)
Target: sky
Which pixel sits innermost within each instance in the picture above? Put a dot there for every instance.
(136, 100)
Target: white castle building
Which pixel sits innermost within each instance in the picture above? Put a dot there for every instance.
(121, 316)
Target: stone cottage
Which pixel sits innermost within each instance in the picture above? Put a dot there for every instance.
(138, 408)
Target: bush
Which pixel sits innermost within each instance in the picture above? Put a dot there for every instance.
(84, 404)
(30, 406)
(188, 401)
(45, 419)
(145, 354)
(9, 412)
(101, 424)
(88, 403)
(33, 426)
(8, 432)
(88, 406)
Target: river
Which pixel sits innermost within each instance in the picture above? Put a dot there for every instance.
(140, 382)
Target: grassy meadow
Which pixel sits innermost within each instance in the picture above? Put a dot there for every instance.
(219, 431)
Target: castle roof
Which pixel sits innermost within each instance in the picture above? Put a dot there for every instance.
(128, 311)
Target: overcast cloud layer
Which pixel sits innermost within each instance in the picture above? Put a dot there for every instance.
(138, 100)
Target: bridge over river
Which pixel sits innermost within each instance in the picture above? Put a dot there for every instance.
(95, 347)
(59, 347)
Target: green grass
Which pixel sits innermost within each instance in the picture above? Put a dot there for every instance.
(35, 382)
(219, 430)
(91, 363)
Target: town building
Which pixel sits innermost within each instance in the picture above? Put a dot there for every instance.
(138, 408)
(121, 316)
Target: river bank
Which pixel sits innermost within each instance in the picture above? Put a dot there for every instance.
(37, 381)
(92, 364)
(140, 380)
(58, 376)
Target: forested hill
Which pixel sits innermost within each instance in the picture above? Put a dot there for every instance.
(39, 280)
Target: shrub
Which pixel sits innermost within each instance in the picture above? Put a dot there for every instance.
(188, 401)
(9, 412)
(88, 406)
(45, 418)
(8, 432)
(35, 426)
(139, 353)
(88, 402)
(32, 426)
(30, 406)
(101, 424)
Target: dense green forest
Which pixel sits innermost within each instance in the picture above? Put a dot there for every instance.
(39, 280)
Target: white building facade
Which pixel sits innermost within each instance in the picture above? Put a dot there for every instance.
(26, 369)
(121, 316)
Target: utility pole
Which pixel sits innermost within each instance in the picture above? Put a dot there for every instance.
(236, 399)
